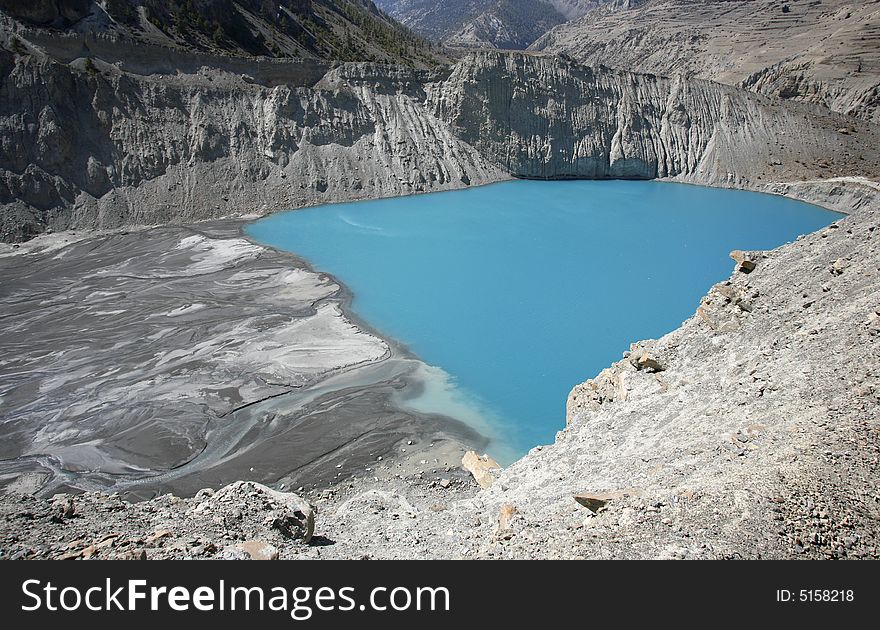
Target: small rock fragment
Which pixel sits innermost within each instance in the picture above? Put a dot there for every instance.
(744, 261)
(649, 363)
(505, 515)
(596, 501)
(133, 554)
(157, 535)
(258, 550)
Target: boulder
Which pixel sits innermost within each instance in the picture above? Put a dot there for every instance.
(838, 266)
(643, 360)
(288, 513)
(65, 506)
(647, 362)
(480, 467)
(745, 262)
(643, 357)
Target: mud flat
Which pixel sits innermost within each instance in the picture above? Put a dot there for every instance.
(171, 359)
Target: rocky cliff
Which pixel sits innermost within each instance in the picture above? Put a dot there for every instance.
(114, 139)
(546, 117)
(87, 144)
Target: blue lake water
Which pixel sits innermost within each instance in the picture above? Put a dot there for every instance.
(517, 291)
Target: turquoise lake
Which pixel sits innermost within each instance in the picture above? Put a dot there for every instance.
(517, 291)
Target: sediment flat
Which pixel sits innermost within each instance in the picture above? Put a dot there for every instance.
(170, 359)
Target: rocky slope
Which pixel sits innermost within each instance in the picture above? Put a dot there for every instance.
(749, 432)
(347, 30)
(825, 52)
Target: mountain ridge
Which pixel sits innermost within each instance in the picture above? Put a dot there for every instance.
(824, 52)
(98, 144)
(503, 24)
(333, 30)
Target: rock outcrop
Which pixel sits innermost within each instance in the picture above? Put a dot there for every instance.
(482, 468)
(89, 146)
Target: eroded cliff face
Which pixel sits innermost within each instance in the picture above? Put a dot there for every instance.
(89, 143)
(547, 117)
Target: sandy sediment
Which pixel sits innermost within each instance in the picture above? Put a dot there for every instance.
(171, 359)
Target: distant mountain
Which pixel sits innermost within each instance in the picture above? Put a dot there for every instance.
(345, 30)
(486, 23)
(824, 52)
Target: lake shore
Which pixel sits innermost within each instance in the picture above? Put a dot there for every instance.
(171, 359)
(252, 425)
(758, 440)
